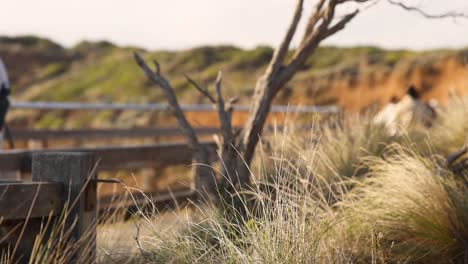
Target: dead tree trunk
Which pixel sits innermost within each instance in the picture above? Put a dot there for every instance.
(236, 150)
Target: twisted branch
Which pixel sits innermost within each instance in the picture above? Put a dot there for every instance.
(175, 109)
(340, 25)
(203, 91)
(280, 53)
(224, 116)
(451, 14)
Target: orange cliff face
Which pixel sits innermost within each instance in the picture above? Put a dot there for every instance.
(358, 88)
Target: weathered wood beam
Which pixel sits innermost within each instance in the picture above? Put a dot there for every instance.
(113, 158)
(75, 171)
(17, 198)
(46, 134)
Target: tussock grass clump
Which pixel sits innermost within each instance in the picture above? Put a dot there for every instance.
(284, 220)
(284, 225)
(343, 147)
(332, 154)
(417, 208)
(348, 192)
(327, 156)
(450, 130)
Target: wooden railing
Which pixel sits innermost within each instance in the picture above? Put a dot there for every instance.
(79, 134)
(61, 187)
(112, 157)
(164, 107)
(60, 176)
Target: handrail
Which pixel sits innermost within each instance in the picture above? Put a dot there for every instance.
(163, 107)
(113, 157)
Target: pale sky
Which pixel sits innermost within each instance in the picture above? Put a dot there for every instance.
(177, 24)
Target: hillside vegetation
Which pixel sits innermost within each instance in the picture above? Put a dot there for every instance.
(353, 78)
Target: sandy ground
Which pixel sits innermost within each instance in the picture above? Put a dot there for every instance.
(117, 241)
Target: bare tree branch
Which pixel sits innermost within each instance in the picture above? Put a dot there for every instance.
(227, 147)
(224, 116)
(309, 43)
(157, 66)
(176, 110)
(356, 1)
(325, 17)
(230, 104)
(272, 81)
(205, 181)
(313, 19)
(340, 25)
(283, 48)
(451, 14)
(203, 91)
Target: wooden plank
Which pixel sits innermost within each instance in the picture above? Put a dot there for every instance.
(74, 170)
(16, 199)
(82, 134)
(161, 155)
(46, 134)
(112, 158)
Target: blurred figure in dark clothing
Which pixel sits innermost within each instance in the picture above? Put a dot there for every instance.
(4, 100)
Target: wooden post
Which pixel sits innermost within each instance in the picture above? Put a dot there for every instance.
(24, 208)
(74, 170)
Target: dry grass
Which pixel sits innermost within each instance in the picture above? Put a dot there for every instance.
(348, 192)
(450, 130)
(54, 242)
(417, 208)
